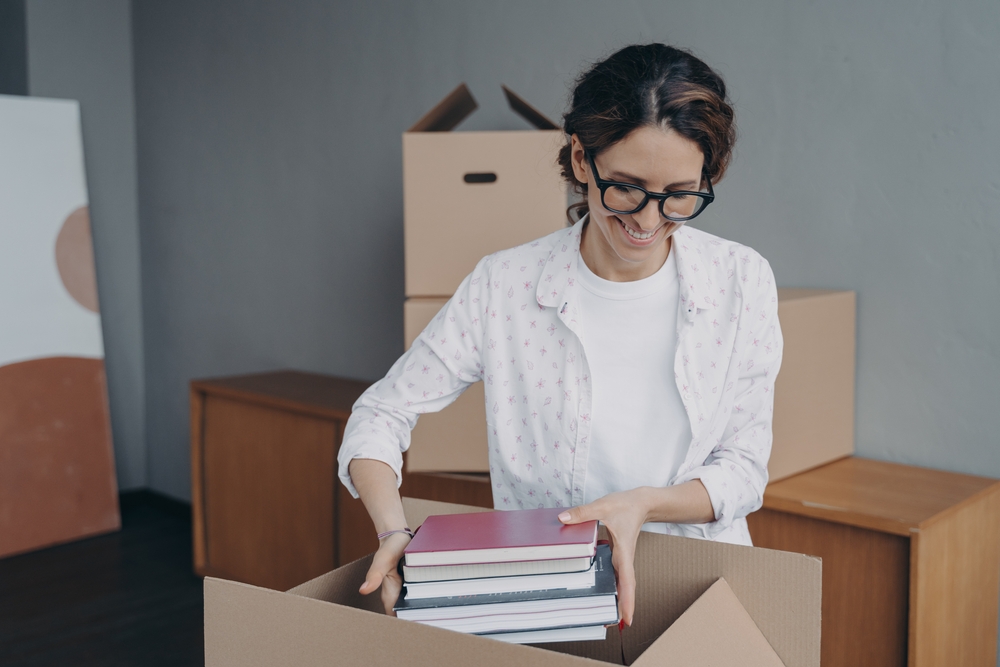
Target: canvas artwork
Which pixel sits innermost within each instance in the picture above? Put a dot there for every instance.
(57, 478)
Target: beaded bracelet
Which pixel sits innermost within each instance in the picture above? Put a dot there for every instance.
(398, 530)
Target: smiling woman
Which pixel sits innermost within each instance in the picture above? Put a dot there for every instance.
(628, 361)
(657, 120)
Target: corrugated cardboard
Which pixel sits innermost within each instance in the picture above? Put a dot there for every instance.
(814, 393)
(455, 438)
(813, 400)
(327, 622)
(469, 194)
(694, 638)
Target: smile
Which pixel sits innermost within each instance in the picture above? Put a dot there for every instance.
(640, 236)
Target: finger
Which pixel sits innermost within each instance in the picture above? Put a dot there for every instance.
(579, 514)
(624, 565)
(391, 587)
(382, 564)
(372, 580)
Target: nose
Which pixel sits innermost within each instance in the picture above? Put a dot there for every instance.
(649, 217)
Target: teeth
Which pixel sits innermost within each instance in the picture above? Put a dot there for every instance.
(640, 236)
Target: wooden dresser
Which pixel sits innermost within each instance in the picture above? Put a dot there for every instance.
(911, 560)
(268, 508)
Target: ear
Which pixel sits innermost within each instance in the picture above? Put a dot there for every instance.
(578, 159)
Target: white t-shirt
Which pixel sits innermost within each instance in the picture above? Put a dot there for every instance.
(640, 430)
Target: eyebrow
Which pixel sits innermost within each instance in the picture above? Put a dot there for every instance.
(680, 185)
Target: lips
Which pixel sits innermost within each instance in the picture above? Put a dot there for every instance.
(638, 238)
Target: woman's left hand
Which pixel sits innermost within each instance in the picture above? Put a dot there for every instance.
(623, 514)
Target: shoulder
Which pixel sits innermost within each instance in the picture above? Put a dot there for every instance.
(724, 261)
(527, 260)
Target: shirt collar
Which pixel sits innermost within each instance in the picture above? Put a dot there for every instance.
(558, 280)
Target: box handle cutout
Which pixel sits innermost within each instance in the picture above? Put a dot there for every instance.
(481, 177)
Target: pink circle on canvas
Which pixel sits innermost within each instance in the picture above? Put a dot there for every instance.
(75, 259)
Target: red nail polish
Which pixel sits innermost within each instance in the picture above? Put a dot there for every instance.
(621, 625)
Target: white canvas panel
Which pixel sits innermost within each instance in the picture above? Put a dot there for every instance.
(42, 181)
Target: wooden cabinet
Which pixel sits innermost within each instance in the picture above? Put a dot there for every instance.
(267, 504)
(911, 560)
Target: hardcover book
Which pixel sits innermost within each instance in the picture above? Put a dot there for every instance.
(497, 537)
(522, 611)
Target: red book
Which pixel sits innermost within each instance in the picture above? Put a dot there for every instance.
(500, 537)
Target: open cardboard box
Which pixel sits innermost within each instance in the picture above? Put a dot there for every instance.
(698, 604)
(469, 194)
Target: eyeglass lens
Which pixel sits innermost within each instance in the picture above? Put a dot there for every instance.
(625, 199)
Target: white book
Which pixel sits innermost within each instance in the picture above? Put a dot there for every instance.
(489, 621)
(492, 585)
(581, 634)
(533, 615)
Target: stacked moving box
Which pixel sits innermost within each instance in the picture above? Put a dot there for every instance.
(466, 195)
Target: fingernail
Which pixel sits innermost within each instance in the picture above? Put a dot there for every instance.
(563, 517)
(621, 625)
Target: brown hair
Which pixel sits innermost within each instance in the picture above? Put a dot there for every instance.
(649, 85)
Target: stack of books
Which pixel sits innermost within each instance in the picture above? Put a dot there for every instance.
(519, 576)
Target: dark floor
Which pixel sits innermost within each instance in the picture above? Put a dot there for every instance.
(128, 598)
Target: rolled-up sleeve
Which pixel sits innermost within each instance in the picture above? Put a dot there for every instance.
(443, 362)
(735, 473)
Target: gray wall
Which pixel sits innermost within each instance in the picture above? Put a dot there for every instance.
(83, 51)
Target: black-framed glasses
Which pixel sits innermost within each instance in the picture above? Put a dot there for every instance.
(628, 198)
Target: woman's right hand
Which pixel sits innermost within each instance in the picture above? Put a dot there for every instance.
(383, 571)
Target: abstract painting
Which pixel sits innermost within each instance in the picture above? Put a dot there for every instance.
(57, 476)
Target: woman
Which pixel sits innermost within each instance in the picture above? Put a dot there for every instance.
(629, 360)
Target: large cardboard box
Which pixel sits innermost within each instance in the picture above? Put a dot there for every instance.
(814, 393)
(469, 194)
(698, 604)
(813, 399)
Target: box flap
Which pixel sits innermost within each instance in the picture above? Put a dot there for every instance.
(247, 626)
(716, 631)
(448, 113)
(528, 112)
(780, 590)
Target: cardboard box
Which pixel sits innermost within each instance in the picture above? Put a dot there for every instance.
(813, 400)
(814, 393)
(455, 438)
(469, 194)
(698, 603)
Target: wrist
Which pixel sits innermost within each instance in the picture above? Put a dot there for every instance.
(646, 500)
(397, 540)
(404, 531)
